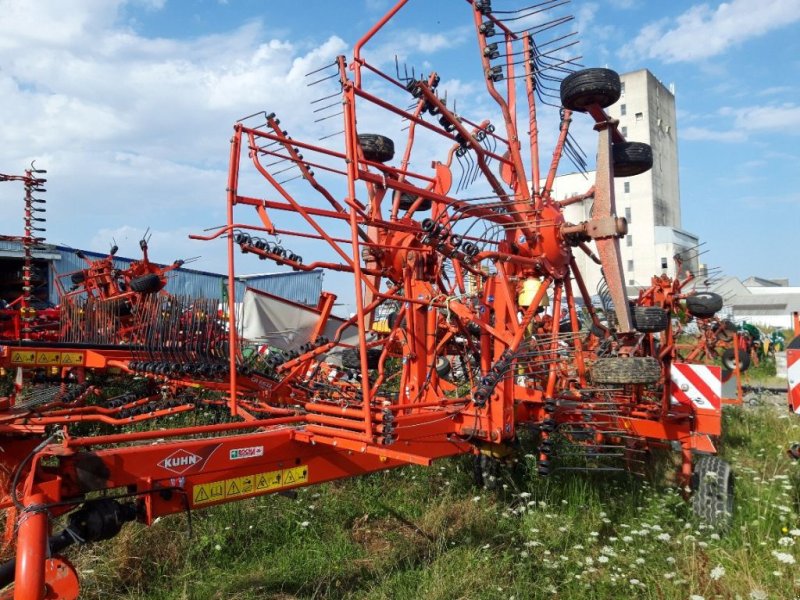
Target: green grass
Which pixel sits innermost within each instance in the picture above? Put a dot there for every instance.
(429, 533)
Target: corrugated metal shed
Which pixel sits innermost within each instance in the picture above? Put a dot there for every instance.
(302, 287)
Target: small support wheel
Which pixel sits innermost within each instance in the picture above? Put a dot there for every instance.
(729, 359)
(146, 284)
(376, 148)
(407, 200)
(713, 491)
(486, 471)
(351, 358)
(704, 304)
(794, 451)
(631, 158)
(589, 87)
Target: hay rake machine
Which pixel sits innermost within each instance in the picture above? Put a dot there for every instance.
(471, 319)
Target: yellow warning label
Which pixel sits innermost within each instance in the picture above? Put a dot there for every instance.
(248, 485)
(72, 358)
(23, 357)
(48, 358)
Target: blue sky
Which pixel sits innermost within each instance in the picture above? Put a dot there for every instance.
(129, 104)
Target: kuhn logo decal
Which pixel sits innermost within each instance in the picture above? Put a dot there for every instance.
(251, 452)
(180, 461)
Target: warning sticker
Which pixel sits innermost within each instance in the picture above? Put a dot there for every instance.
(72, 358)
(48, 358)
(23, 357)
(248, 485)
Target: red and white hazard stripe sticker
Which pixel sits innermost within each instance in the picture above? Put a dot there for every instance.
(698, 386)
(793, 364)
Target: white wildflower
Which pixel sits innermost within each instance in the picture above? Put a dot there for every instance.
(476, 499)
(783, 557)
(663, 537)
(758, 594)
(717, 572)
(696, 597)
(305, 524)
(786, 541)
(795, 533)
(635, 582)
(602, 559)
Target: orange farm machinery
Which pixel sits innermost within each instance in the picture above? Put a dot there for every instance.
(471, 321)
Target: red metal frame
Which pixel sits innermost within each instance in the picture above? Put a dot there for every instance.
(468, 284)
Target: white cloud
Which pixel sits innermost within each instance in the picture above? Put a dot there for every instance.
(704, 31)
(133, 129)
(748, 120)
(710, 135)
(784, 118)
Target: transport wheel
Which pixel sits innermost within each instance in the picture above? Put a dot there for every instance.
(406, 200)
(650, 319)
(590, 86)
(443, 367)
(713, 491)
(146, 284)
(351, 358)
(631, 158)
(794, 451)
(725, 331)
(486, 471)
(630, 369)
(729, 360)
(704, 304)
(377, 148)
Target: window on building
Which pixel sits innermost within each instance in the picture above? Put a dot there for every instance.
(624, 132)
(628, 214)
(631, 282)
(622, 88)
(629, 241)
(630, 265)
(639, 116)
(623, 110)
(627, 187)
(664, 262)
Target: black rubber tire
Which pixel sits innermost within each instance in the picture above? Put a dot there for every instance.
(713, 487)
(631, 158)
(443, 367)
(351, 358)
(650, 319)
(794, 451)
(728, 360)
(624, 370)
(704, 304)
(146, 284)
(78, 278)
(486, 471)
(724, 332)
(590, 86)
(377, 148)
(406, 200)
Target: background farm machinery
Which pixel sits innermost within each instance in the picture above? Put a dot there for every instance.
(472, 321)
